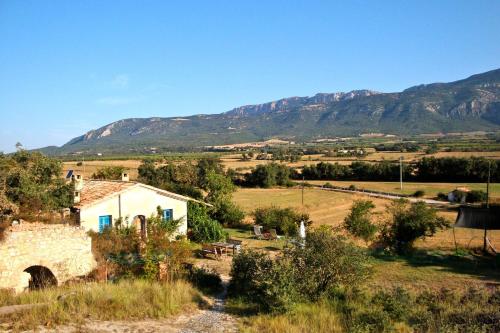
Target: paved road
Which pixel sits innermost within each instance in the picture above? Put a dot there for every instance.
(389, 196)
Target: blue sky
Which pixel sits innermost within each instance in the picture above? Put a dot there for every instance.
(70, 66)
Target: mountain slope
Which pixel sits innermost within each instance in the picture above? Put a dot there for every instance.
(465, 105)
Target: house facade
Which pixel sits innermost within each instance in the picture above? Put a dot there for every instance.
(103, 203)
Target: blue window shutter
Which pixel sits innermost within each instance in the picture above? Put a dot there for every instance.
(168, 214)
(104, 221)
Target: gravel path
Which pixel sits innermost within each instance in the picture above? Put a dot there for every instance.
(214, 320)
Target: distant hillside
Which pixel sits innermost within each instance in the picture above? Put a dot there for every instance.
(471, 104)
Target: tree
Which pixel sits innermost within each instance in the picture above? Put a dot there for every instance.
(409, 222)
(202, 227)
(109, 173)
(358, 222)
(285, 220)
(32, 182)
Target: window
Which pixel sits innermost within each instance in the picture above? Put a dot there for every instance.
(168, 214)
(104, 222)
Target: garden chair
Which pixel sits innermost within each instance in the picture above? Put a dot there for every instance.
(257, 231)
(273, 234)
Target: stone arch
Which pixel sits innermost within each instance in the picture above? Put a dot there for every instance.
(139, 222)
(40, 277)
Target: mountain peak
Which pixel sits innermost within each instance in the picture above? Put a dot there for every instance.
(471, 104)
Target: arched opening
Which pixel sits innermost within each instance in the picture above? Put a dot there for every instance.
(139, 223)
(41, 277)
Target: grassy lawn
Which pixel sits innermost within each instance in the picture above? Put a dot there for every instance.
(431, 189)
(435, 270)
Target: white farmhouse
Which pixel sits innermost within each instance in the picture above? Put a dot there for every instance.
(100, 203)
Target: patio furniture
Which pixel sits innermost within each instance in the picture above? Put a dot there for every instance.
(207, 249)
(273, 234)
(236, 244)
(223, 247)
(257, 231)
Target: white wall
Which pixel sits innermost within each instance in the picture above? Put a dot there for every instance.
(135, 201)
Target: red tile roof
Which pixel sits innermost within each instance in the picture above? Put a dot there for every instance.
(96, 190)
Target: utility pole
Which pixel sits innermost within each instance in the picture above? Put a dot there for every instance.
(487, 204)
(303, 192)
(401, 173)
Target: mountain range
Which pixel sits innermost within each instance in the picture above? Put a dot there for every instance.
(470, 104)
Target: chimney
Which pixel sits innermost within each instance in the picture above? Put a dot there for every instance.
(78, 182)
(125, 177)
(78, 179)
(76, 197)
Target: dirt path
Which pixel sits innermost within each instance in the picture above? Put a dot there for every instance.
(214, 320)
(388, 196)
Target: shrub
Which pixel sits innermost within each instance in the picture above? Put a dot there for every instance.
(358, 222)
(352, 187)
(328, 185)
(266, 282)
(328, 261)
(407, 223)
(476, 196)
(442, 196)
(202, 227)
(228, 213)
(109, 173)
(418, 194)
(204, 279)
(285, 220)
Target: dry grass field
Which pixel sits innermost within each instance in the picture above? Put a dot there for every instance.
(330, 208)
(89, 167)
(234, 161)
(431, 189)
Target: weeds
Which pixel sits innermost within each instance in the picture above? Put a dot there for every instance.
(126, 300)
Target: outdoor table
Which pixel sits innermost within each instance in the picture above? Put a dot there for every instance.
(225, 246)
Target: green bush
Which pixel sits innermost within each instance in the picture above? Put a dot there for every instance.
(418, 194)
(408, 222)
(204, 279)
(203, 228)
(476, 196)
(328, 185)
(300, 274)
(228, 213)
(358, 222)
(285, 220)
(109, 173)
(327, 261)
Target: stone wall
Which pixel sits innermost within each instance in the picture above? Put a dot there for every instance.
(65, 250)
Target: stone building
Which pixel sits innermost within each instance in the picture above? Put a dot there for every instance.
(35, 254)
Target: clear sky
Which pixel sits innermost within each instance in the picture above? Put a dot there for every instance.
(70, 66)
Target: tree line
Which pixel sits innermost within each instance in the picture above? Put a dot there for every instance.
(428, 169)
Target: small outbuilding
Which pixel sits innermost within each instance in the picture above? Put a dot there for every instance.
(101, 203)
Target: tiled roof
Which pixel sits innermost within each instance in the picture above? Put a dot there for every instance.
(96, 190)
